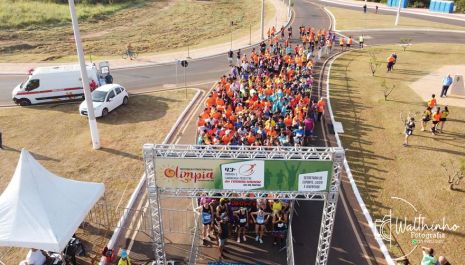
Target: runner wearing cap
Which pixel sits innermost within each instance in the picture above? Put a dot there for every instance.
(124, 260)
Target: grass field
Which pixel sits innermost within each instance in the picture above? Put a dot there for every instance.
(65, 149)
(373, 136)
(31, 14)
(152, 26)
(352, 19)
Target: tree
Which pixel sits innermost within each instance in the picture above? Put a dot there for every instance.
(387, 89)
(373, 62)
(454, 174)
(405, 43)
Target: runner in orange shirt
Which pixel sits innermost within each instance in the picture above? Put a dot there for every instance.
(432, 101)
(321, 108)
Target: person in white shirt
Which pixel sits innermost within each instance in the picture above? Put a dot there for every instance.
(35, 257)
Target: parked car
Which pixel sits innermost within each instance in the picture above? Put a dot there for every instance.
(105, 99)
(59, 83)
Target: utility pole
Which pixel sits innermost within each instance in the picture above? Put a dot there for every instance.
(398, 13)
(289, 10)
(85, 79)
(250, 34)
(231, 26)
(262, 24)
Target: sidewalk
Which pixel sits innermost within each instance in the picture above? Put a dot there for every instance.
(280, 19)
(410, 10)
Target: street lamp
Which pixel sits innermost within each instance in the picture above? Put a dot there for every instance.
(398, 13)
(85, 80)
(231, 27)
(262, 22)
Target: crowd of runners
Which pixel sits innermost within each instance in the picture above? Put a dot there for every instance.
(265, 100)
(434, 113)
(224, 218)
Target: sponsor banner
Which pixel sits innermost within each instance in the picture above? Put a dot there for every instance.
(272, 175)
(246, 175)
(313, 181)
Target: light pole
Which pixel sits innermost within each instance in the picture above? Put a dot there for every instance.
(232, 24)
(398, 13)
(85, 80)
(262, 24)
(289, 10)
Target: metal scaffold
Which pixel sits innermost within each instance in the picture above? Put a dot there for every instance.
(152, 152)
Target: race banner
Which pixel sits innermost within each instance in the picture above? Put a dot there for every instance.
(242, 175)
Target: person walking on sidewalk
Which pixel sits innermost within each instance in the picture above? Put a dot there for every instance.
(361, 41)
(1, 143)
(446, 82)
(365, 8)
(376, 10)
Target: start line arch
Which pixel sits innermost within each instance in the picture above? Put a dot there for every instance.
(313, 173)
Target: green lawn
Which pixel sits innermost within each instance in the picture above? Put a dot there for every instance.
(373, 136)
(64, 148)
(350, 19)
(31, 14)
(152, 26)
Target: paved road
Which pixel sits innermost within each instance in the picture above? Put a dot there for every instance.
(208, 69)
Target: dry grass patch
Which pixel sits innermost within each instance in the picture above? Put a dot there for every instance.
(155, 26)
(350, 19)
(59, 138)
(373, 136)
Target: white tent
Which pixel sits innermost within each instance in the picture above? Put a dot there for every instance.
(41, 210)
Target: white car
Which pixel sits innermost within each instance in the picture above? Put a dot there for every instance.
(105, 99)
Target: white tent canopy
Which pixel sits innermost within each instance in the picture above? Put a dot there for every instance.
(41, 210)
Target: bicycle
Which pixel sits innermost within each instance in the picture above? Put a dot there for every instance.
(129, 54)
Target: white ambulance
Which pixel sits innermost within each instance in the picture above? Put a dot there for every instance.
(59, 83)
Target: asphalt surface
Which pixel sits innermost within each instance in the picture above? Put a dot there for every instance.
(209, 69)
